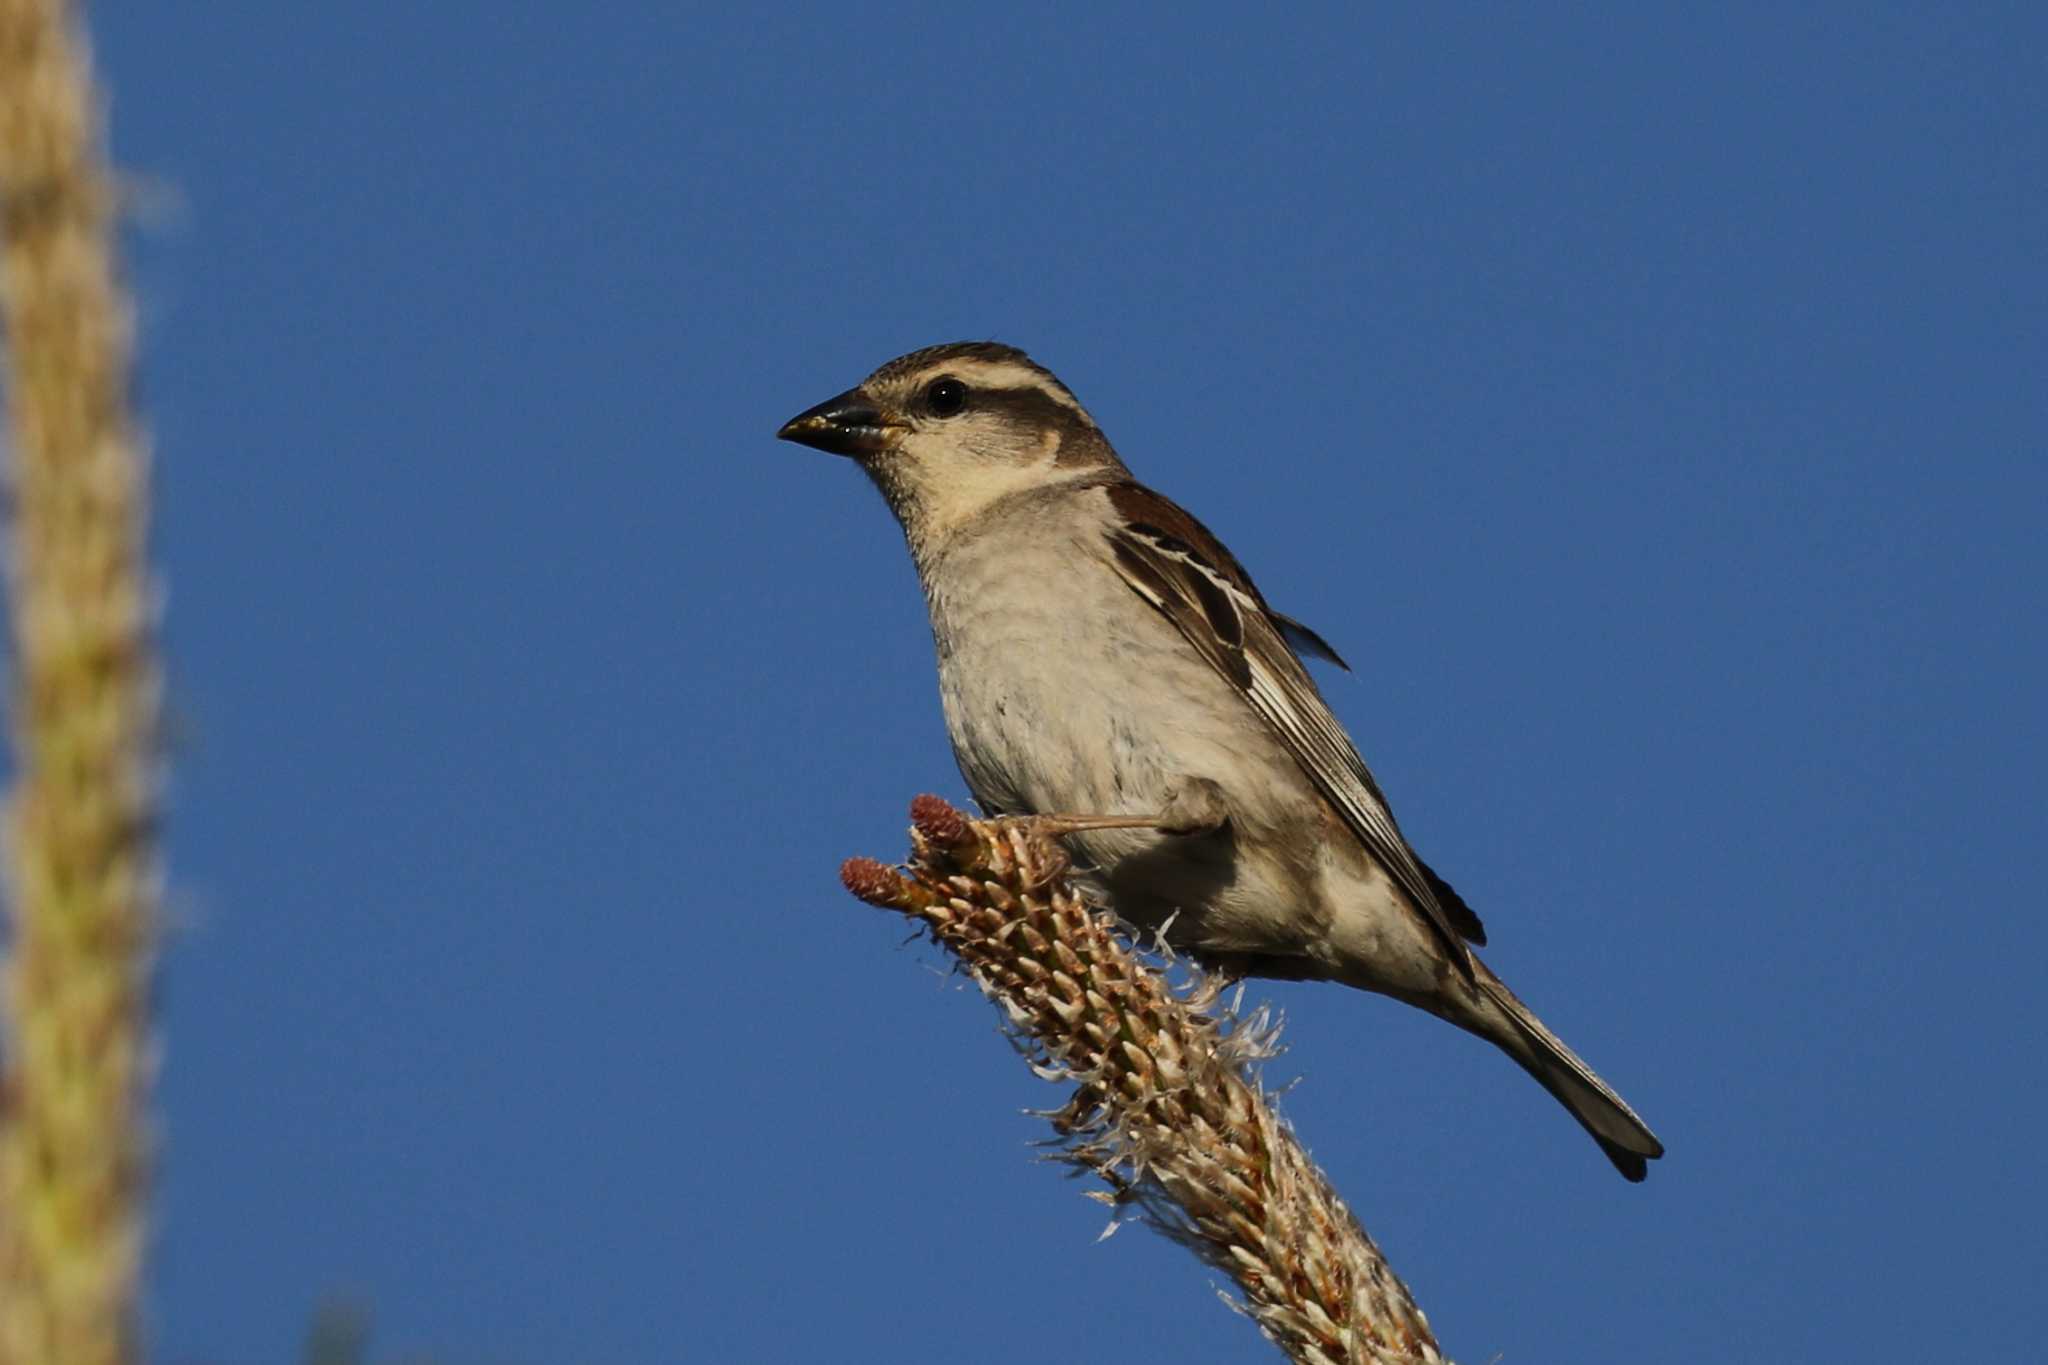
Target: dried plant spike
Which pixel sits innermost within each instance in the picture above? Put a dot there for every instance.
(1166, 1110)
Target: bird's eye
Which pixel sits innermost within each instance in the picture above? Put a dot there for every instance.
(946, 397)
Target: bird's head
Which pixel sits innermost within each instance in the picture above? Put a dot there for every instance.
(948, 430)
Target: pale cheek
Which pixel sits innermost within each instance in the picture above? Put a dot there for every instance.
(950, 496)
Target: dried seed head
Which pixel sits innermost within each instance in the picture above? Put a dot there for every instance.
(1166, 1111)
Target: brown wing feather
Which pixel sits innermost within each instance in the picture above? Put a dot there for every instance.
(1172, 584)
(1173, 562)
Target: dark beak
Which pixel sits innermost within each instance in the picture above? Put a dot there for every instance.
(846, 425)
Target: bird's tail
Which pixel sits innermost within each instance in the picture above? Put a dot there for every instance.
(1626, 1139)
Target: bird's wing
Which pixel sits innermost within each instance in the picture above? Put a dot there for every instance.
(1173, 562)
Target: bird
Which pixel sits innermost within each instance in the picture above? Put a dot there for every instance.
(1106, 663)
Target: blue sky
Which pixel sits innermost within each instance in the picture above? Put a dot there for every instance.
(1647, 399)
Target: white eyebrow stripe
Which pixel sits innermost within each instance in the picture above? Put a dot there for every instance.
(1004, 374)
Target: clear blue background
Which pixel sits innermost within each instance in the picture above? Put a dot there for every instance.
(1649, 401)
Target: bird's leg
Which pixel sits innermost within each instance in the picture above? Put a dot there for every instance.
(1195, 806)
(1058, 826)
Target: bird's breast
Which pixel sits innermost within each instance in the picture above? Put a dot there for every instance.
(1066, 693)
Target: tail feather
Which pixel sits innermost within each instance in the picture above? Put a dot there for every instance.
(1626, 1139)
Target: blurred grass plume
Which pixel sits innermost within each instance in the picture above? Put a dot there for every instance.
(81, 870)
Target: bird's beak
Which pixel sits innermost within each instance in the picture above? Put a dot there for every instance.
(846, 425)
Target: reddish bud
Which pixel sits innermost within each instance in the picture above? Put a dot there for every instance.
(872, 882)
(938, 822)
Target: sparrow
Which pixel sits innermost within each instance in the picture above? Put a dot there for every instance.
(1105, 661)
